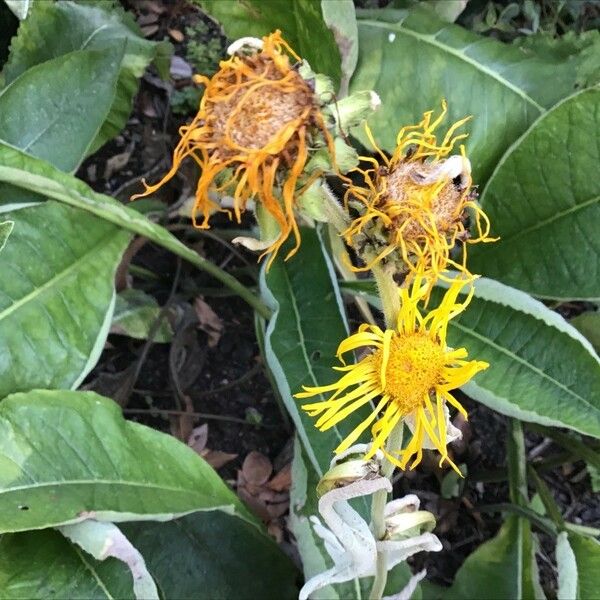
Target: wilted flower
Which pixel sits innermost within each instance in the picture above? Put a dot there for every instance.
(259, 123)
(347, 537)
(413, 207)
(409, 374)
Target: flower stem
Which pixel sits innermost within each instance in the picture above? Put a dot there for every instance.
(390, 302)
(388, 292)
(377, 513)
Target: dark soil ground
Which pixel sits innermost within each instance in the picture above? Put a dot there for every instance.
(175, 387)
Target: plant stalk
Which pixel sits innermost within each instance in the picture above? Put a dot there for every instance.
(388, 292)
(390, 301)
(377, 512)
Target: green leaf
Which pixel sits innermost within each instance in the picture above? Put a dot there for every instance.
(66, 456)
(40, 177)
(578, 562)
(135, 313)
(301, 24)
(43, 564)
(588, 323)
(303, 505)
(503, 567)
(194, 557)
(580, 47)
(6, 228)
(541, 368)
(302, 338)
(55, 110)
(340, 17)
(213, 556)
(505, 88)
(54, 29)
(57, 296)
(545, 206)
(102, 540)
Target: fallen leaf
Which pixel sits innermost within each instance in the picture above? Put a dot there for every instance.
(282, 480)
(275, 531)
(115, 163)
(176, 35)
(278, 510)
(153, 6)
(198, 438)
(145, 20)
(180, 68)
(257, 468)
(149, 30)
(217, 459)
(258, 507)
(208, 321)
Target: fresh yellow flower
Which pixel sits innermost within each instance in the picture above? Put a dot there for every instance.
(413, 207)
(409, 375)
(251, 136)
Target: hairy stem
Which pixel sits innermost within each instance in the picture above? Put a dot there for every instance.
(378, 503)
(388, 292)
(390, 301)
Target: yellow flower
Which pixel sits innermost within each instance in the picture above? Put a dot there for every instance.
(416, 202)
(409, 374)
(251, 136)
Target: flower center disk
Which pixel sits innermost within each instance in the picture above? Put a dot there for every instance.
(414, 367)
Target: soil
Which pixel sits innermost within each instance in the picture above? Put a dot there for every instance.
(175, 387)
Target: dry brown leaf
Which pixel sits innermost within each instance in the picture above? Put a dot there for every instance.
(275, 531)
(153, 6)
(148, 19)
(208, 321)
(282, 480)
(176, 35)
(198, 438)
(115, 163)
(258, 507)
(257, 468)
(217, 459)
(149, 30)
(180, 68)
(278, 510)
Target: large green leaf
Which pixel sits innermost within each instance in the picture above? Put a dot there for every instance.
(545, 206)
(302, 338)
(503, 567)
(541, 368)
(415, 59)
(57, 296)
(194, 557)
(301, 24)
(66, 456)
(578, 562)
(213, 556)
(54, 29)
(43, 564)
(55, 110)
(35, 175)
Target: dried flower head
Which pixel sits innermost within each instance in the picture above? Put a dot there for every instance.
(251, 137)
(409, 374)
(413, 207)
